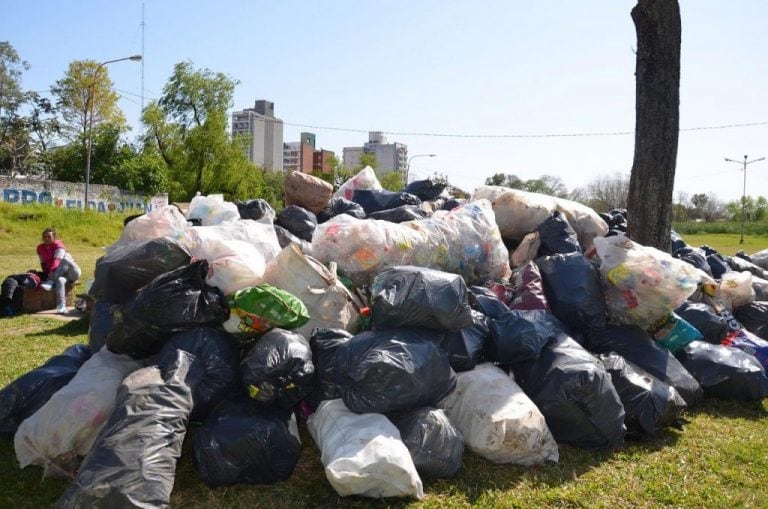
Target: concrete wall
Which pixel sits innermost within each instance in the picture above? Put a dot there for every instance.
(70, 195)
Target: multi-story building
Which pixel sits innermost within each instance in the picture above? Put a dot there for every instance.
(302, 156)
(321, 161)
(264, 133)
(389, 156)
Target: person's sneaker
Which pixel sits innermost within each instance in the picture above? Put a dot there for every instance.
(9, 311)
(46, 285)
(61, 309)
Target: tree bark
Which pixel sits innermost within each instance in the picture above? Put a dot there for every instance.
(657, 121)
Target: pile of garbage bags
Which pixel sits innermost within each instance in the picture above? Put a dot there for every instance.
(397, 327)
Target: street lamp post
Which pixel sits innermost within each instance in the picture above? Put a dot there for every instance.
(408, 166)
(744, 191)
(89, 105)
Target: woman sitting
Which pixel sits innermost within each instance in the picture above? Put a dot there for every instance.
(58, 265)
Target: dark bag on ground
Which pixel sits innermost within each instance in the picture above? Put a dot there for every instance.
(676, 241)
(749, 343)
(242, 443)
(299, 221)
(128, 267)
(649, 403)
(393, 370)
(712, 326)
(215, 355)
(374, 200)
(636, 346)
(574, 291)
(425, 190)
(255, 209)
(133, 462)
(399, 214)
(278, 369)
(693, 257)
(284, 238)
(324, 343)
(486, 302)
(726, 373)
(754, 318)
(556, 236)
(435, 444)
(518, 336)
(576, 395)
(337, 206)
(408, 296)
(173, 302)
(100, 324)
(25, 395)
(717, 264)
(741, 265)
(466, 347)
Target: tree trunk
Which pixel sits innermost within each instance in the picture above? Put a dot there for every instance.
(657, 121)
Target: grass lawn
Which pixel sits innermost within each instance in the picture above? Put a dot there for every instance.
(719, 460)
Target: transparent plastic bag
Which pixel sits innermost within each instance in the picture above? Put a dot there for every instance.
(737, 286)
(365, 179)
(212, 209)
(162, 222)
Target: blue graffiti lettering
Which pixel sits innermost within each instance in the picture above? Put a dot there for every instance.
(45, 197)
(72, 204)
(11, 195)
(28, 196)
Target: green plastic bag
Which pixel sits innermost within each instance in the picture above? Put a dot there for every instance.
(674, 332)
(258, 309)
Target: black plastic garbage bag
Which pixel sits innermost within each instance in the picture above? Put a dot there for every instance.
(649, 403)
(575, 394)
(726, 373)
(173, 302)
(408, 296)
(337, 206)
(299, 221)
(486, 302)
(399, 214)
(466, 347)
(528, 288)
(519, 335)
(693, 257)
(133, 462)
(741, 265)
(241, 443)
(324, 343)
(284, 238)
(574, 291)
(712, 326)
(393, 370)
(255, 209)
(749, 343)
(99, 325)
(677, 241)
(452, 203)
(636, 346)
(717, 264)
(278, 369)
(754, 318)
(557, 236)
(374, 200)
(425, 190)
(216, 355)
(24, 396)
(128, 267)
(435, 444)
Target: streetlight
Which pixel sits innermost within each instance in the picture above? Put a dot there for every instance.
(408, 166)
(91, 89)
(744, 192)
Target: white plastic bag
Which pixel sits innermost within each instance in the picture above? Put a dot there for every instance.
(165, 221)
(464, 241)
(261, 234)
(232, 264)
(212, 209)
(66, 427)
(329, 303)
(737, 287)
(642, 283)
(363, 454)
(498, 421)
(520, 212)
(365, 179)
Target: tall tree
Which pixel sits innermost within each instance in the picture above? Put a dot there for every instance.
(657, 121)
(85, 84)
(13, 131)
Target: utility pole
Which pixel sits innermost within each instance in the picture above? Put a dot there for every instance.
(744, 191)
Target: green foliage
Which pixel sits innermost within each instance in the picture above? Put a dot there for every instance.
(13, 132)
(721, 227)
(393, 181)
(367, 159)
(86, 86)
(546, 184)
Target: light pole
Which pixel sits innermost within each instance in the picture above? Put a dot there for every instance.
(408, 166)
(744, 191)
(89, 105)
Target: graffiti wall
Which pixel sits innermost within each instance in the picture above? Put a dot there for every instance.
(71, 195)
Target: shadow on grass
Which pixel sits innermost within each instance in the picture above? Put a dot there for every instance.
(752, 410)
(67, 329)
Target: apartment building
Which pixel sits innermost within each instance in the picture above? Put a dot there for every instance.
(264, 132)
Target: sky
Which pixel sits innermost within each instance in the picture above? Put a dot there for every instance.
(482, 85)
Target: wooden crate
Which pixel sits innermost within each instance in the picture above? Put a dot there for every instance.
(37, 299)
